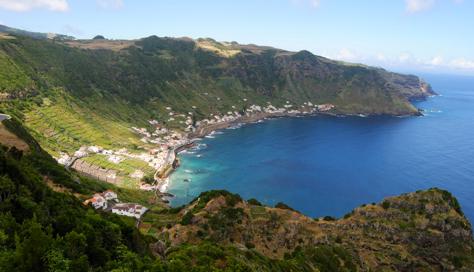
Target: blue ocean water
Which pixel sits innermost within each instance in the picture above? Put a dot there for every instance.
(328, 165)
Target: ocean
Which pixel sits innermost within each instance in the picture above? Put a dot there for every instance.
(324, 165)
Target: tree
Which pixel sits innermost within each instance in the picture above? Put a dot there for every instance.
(30, 250)
(6, 188)
(150, 179)
(55, 261)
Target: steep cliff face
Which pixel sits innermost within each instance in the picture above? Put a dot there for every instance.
(154, 71)
(424, 231)
(53, 86)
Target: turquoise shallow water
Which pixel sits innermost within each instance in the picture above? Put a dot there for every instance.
(328, 165)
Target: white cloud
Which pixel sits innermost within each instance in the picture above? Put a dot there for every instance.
(462, 63)
(71, 30)
(347, 55)
(404, 57)
(381, 57)
(110, 4)
(315, 3)
(26, 5)
(413, 6)
(311, 3)
(436, 61)
(405, 61)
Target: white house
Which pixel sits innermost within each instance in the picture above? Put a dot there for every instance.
(94, 149)
(129, 209)
(110, 195)
(98, 202)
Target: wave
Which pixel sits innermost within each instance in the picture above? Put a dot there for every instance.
(199, 146)
(239, 125)
(434, 111)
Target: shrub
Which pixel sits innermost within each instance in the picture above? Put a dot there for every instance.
(281, 205)
(187, 218)
(385, 204)
(205, 197)
(249, 245)
(347, 215)
(150, 179)
(255, 202)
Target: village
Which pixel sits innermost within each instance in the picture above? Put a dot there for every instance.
(165, 143)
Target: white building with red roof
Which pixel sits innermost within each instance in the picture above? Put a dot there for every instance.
(129, 209)
(98, 202)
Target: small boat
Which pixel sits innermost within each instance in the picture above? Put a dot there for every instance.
(186, 180)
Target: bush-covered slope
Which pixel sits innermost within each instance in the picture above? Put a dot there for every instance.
(43, 230)
(422, 231)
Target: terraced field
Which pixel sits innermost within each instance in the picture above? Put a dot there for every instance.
(62, 126)
(124, 168)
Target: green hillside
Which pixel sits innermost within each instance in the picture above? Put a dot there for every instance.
(77, 94)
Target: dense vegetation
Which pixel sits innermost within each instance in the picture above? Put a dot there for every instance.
(42, 230)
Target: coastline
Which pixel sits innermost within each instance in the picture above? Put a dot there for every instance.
(162, 175)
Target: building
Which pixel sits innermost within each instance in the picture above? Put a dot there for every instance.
(110, 195)
(325, 107)
(98, 202)
(129, 209)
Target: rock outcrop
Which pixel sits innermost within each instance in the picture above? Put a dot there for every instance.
(421, 231)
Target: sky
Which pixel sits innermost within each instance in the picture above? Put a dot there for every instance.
(433, 36)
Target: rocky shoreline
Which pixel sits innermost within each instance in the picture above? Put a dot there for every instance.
(162, 174)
